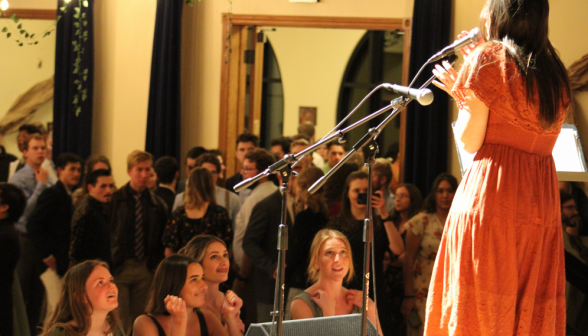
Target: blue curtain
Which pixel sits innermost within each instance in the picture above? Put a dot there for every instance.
(427, 127)
(163, 119)
(72, 123)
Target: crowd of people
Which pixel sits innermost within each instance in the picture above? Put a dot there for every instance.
(194, 257)
(173, 255)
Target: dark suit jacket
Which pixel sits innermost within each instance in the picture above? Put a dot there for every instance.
(168, 196)
(261, 242)
(122, 223)
(49, 225)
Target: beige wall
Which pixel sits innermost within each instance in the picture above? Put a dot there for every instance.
(123, 44)
(201, 56)
(124, 35)
(567, 26)
(312, 63)
(23, 67)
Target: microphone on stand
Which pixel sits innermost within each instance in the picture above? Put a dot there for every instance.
(472, 37)
(423, 96)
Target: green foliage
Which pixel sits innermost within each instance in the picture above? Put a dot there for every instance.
(80, 35)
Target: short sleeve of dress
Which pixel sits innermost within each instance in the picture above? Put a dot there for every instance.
(417, 224)
(485, 73)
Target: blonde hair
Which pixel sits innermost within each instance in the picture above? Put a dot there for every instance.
(199, 189)
(137, 156)
(73, 310)
(196, 247)
(319, 239)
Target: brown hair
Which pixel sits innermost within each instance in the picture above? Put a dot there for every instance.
(35, 136)
(262, 158)
(305, 180)
(71, 312)
(319, 239)
(199, 189)
(89, 167)
(196, 247)
(416, 203)
(383, 168)
(430, 205)
(138, 156)
(169, 279)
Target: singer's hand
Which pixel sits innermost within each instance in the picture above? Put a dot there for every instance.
(447, 75)
(467, 50)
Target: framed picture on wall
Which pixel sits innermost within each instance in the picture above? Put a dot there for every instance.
(308, 114)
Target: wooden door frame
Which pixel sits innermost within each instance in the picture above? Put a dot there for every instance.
(233, 77)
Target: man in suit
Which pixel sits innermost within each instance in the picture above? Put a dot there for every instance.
(49, 224)
(138, 217)
(167, 171)
(260, 245)
(90, 226)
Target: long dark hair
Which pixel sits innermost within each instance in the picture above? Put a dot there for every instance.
(431, 202)
(416, 203)
(522, 27)
(73, 310)
(346, 220)
(169, 279)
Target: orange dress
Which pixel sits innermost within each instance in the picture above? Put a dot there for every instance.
(500, 266)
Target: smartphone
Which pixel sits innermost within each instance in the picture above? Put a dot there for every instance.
(413, 319)
(362, 198)
(375, 194)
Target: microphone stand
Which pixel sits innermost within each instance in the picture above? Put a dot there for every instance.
(369, 139)
(278, 311)
(284, 168)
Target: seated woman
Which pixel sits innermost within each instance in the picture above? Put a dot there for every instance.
(177, 292)
(211, 252)
(200, 215)
(330, 264)
(87, 303)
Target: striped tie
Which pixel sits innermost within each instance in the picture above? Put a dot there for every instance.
(139, 242)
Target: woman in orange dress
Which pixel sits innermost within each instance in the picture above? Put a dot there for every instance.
(500, 267)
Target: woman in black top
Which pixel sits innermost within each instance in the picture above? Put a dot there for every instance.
(177, 292)
(386, 236)
(199, 215)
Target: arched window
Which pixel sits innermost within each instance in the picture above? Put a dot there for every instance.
(376, 59)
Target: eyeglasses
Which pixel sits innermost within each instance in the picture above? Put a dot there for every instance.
(246, 170)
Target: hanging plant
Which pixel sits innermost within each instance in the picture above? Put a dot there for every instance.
(81, 35)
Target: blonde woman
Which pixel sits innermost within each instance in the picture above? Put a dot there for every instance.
(211, 252)
(330, 265)
(200, 215)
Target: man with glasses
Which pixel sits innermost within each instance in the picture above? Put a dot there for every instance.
(255, 162)
(224, 198)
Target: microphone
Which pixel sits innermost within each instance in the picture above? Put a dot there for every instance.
(423, 96)
(472, 37)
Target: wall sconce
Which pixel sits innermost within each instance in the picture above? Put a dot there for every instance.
(4, 5)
